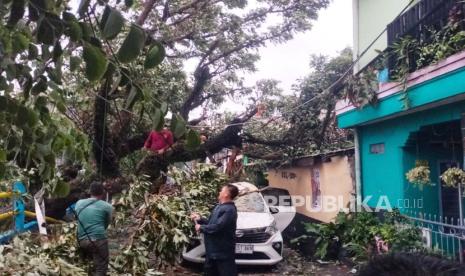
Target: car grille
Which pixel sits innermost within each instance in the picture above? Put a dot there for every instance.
(257, 235)
(254, 256)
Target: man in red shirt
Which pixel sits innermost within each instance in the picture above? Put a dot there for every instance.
(159, 141)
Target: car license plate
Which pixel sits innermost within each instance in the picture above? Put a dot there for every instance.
(244, 248)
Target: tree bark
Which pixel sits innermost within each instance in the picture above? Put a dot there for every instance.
(148, 5)
(105, 158)
(202, 76)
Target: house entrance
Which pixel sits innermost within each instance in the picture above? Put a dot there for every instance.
(439, 146)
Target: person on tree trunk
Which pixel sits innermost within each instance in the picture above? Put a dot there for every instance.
(159, 141)
(220, 234)
(94, 215)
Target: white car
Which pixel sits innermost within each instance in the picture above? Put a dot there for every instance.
(258, 235)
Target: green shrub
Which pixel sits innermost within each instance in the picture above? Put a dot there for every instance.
(354, 234)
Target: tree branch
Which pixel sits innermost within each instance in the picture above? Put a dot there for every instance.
(269, 156)
(202, 76)
(148, 5)
(272, 143)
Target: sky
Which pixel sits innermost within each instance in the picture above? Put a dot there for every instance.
(288, 62)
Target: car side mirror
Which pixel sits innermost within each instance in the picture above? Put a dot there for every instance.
(274, 210)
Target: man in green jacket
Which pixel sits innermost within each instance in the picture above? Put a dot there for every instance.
(94, 216)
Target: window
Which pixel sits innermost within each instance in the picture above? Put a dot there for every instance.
(277, 197)
(252, 202)
(377, 148)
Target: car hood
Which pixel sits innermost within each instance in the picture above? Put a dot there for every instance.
(247, 220)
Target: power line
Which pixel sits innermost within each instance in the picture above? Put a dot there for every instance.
(349, 70)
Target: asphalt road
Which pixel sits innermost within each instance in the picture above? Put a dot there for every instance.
(293, 264)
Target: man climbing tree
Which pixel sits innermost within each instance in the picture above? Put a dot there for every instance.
(159, 141)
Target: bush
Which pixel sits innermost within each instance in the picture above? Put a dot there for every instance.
(353, 235)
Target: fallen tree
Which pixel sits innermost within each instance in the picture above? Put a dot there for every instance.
(148, 233)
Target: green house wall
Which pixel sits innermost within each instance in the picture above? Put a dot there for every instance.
(384, 174)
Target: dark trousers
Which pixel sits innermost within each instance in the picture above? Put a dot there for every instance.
(98, 251)
(226, 267)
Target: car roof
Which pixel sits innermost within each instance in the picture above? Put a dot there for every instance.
(245, 187)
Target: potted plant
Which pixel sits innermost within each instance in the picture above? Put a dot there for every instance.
(453, 176)
(420, 174)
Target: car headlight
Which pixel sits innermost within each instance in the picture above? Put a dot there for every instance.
(271, 229)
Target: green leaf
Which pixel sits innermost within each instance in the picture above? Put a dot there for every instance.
(96, 62)
(112, 23)
(27, 86)
(132, 45)
(193, 140)
(128, 3)
(86, 30)
(155, 56)
(45, 32)
(33, 52)
(75, 31)
(74, 63)
(57, 51)
(134, 94)
(44, 149)
(17, 12)
(164, 108)
(62, 189)
(11, 107)
(46, 54)
(20, 43)
(22, 116)
(32, 118)
(55, 75)
(2, 155)
(83, 6)
(3, 84)
(2, 170)
(3, 103)
(178, 126)
(158, 119)
(69, 17)
(11, 71)
(61, 107)
(40, 86)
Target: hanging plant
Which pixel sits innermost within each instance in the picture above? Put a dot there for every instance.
(361, 89)
(453, 176)
(420, 174)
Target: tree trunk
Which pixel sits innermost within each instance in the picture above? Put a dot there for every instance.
(105, 158)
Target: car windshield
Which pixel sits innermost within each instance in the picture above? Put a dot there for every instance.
(252, 202)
